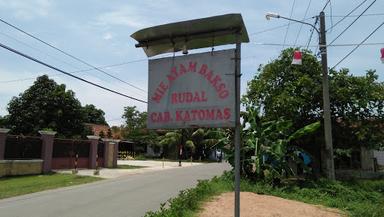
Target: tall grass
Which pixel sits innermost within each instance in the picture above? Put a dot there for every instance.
(359, 198)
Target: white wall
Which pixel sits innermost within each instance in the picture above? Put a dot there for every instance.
(379, 155)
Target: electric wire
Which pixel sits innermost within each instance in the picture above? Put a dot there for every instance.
(277, 27)
(355, 15)
(352, 23)
(357, 46)
(257, 44)
(326, 4)
(348, 15)
(289, 22)
(312, 30)
(331, 12)
(301, 26)
(38, 50)
(70, 55)
(78, 71)
(66, 73)
(53, 57)
(314, 45)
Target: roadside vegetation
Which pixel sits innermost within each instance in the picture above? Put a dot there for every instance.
(282, 138)
(357, 198)
(19, 185)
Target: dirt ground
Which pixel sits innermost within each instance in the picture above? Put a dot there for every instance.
(254, 205)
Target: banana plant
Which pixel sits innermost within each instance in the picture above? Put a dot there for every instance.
(267, 147)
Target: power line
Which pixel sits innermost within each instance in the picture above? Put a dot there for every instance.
(312, 30)
(36, 49)
(277, 27)
(326, 4)
(348, 15)
(331, 12)
(70, 55)
(289, 22)
(355, 15)
(352, 23)
(78, 71)
(301, 26)
(334, 45)
(357, 46)
(66, 73)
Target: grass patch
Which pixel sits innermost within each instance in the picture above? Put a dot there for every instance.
(356, 198)
(129, 167)
(19, 185)
(359, 198)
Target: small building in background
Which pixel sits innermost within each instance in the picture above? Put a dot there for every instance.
(101, 130)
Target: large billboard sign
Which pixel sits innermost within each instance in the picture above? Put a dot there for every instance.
(196, 90)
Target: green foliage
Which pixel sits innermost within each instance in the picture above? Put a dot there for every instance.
(290, 91)
(3, 121)
(196, 140)
(93, 115)
(188, 202)
(134, 119)
(135, 127)
(267, 146)
(109, 133)
(13, 186)
(102, 134)
(46, 105)
(294, 92)
(357, 198)
(358, 104)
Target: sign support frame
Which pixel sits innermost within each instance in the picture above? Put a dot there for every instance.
(223, 29)
(237, 140)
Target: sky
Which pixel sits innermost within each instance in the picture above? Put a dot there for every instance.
(98, 32)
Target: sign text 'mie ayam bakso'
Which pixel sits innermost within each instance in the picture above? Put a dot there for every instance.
(195, 90)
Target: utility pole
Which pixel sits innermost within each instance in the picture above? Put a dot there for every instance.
(238, 127)
(328, 152)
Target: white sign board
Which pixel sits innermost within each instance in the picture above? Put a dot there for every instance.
(196, 90)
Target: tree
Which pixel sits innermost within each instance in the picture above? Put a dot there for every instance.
(196, 141)
(135, 127)
(290, 91)
(93, 115)
(294, 92)
(268, 147)
(134, 119)
(357, 105)
(46, 105)
(109, 133)
(3, 121)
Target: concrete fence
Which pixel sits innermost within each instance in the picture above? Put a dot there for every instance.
(101, 153)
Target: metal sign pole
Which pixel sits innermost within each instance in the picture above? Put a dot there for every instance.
(237, 128)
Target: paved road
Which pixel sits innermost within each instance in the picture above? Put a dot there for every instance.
(129, 196)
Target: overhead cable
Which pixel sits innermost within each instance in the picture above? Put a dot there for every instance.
(357, 46)
(352, 23)
(70, 55)
(66, 73)
(289, 22)
(301, 26)
(348, 15)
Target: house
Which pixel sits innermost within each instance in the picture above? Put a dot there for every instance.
(98, 129)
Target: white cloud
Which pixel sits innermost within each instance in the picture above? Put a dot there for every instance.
(107, 36)
(124, 16)
(27, 10)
